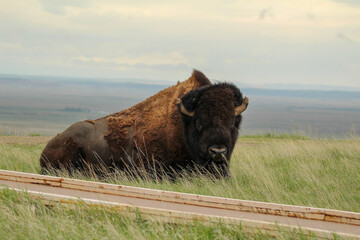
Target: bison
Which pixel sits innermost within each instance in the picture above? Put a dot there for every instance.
(192, 125)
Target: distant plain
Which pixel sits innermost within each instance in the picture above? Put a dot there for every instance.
(42, 106)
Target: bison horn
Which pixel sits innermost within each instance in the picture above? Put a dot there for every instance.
(183, 109)
(242, 107)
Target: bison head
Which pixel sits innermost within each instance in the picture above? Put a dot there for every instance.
(211, 117)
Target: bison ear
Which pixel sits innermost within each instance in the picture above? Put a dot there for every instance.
(200, 78)
(183, 109)
(187, 103)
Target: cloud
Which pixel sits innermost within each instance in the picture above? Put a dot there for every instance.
(265, 13)
(310, 16)
(354, 3)
(251, 40)
(155, 60)
(344, 37)
(10, 47)
(58, 7)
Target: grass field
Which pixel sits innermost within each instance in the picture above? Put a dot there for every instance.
(282, 169)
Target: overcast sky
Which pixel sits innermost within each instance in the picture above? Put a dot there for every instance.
(255, 42)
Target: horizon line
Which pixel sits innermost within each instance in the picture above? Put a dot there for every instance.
(148, 81)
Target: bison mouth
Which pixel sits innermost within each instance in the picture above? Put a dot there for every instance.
(214, 155)
(218, 153)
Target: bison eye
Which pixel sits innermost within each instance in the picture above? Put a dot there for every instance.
(198, 125)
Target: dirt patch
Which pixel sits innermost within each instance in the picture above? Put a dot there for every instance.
(25, 140)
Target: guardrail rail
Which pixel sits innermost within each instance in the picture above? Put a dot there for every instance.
(183, 207)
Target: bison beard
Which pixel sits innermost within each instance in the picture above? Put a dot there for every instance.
(190, 126)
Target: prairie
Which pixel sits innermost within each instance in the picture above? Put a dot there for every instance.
(287, 169)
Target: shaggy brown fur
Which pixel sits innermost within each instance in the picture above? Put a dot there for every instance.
(150, 130)
(152, 126)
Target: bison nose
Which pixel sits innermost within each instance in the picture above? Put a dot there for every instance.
(217, 152)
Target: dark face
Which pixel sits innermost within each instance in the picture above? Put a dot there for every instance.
(210, 134)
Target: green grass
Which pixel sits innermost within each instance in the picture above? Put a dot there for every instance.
(35, 135)
(20, 157)
(23, 217)
(276, 136)
(281, 169)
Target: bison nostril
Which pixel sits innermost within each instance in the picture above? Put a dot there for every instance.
(217, 150)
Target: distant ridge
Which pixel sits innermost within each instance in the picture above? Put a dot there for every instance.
(317, 94)
(30, 81)
(135, 82)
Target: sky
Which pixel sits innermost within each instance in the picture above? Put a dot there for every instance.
(257, 43)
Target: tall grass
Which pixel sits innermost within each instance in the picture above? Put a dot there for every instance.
(320, 173)
(20, 157)
(290, 170)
